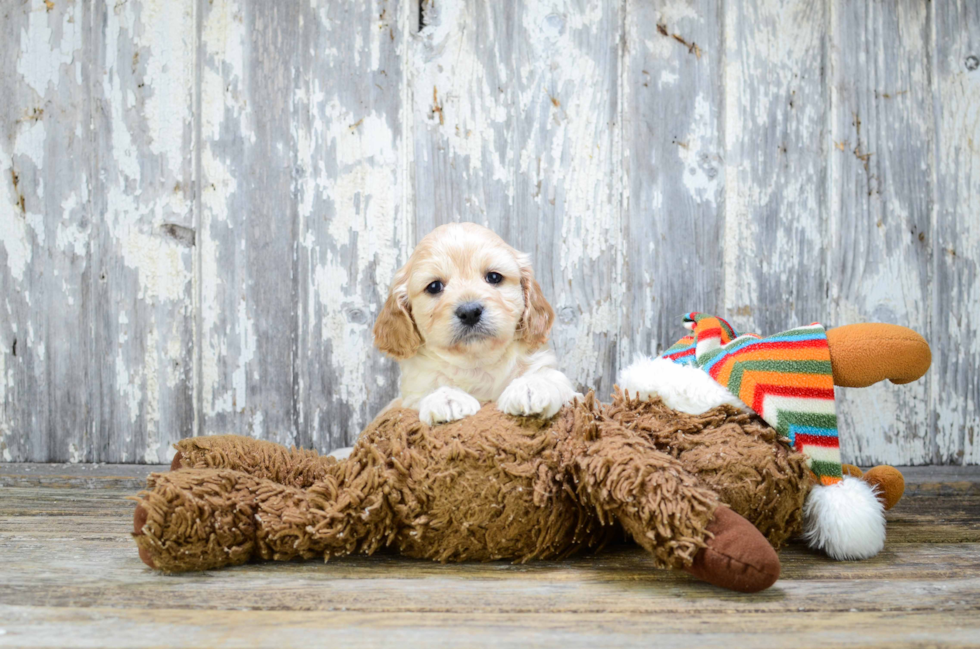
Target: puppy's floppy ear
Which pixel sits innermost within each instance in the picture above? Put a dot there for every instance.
(394, 330)
(538, 315)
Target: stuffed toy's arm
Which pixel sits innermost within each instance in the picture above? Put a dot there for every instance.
(295, 467)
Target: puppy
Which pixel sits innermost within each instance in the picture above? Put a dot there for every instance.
(468, 324)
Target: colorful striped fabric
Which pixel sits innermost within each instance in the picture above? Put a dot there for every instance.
(785, 378)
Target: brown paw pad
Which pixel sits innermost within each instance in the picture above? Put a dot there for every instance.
(738, 557)
(175, 463)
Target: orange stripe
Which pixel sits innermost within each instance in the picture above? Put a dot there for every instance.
(827, 480)
(725, 372)
(805, 380)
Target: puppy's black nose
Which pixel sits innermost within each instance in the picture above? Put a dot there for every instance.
(469, 313)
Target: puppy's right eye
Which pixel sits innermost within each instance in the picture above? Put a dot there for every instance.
(435, 288)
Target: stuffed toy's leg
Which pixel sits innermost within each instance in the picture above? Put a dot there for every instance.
(846, 519)
(670, 514)
(864, 354)
(199, 519)
(788, 379)
(735, 454)
(295, 467)
(887, 482)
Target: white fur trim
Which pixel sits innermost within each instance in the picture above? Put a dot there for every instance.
(682, 387)
(844, 520)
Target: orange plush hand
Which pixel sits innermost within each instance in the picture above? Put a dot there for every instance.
(863, 354)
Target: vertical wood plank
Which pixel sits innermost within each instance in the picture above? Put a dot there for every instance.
(143, 93)
(248, 262)
(517, 126)
(105, 348)
(354, 213)
(775, 166)
(49, 391)
(881, 210)
(956, 243)
(675, 161)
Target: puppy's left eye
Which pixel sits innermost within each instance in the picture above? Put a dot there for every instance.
(494, 278)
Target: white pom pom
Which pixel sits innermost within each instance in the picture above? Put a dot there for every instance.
(845, 520)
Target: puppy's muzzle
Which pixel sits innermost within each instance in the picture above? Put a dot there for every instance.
(469, 314)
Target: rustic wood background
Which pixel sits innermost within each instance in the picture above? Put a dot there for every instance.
(202, 201)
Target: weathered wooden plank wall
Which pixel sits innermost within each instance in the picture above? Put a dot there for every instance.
(202, 201)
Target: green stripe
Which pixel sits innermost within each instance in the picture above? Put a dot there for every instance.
(829, 469)
(788, 418)
(783, 367)
(790, 367)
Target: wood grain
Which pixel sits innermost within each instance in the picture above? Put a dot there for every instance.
(202, 202)
(674, 163)
(248, 289)
(776, 109)
(95, 209)
(881, 206)
(955, 398)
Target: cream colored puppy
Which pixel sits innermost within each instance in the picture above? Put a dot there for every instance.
(468, 324)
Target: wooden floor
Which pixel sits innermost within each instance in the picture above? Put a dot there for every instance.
(70, 577)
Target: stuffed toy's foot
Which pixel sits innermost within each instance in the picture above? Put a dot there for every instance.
(197, 520)
(846, 520)
(863, 354)
(887, 481)
(738, 557)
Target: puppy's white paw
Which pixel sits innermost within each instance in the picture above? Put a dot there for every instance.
(534, 395)
(447, 404)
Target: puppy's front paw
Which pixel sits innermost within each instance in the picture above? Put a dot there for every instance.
(534, 395)
(447, 404)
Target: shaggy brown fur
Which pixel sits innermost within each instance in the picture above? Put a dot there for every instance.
(486, 487)
(735, 454)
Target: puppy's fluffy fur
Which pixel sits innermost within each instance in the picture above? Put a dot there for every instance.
(451, 363)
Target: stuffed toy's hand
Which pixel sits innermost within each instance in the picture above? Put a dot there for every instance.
(864, 354)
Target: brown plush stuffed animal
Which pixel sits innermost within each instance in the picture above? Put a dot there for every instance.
(712, 494)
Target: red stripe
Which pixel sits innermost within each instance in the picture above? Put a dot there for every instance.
(795, 344)
(719, 366)
(816, 440)
(714, 332)
(762, 390)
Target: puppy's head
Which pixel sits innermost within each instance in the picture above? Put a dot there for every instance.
(466, 295)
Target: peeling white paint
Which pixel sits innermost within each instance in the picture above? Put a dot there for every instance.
(41, 59)
(151, 415)
(13, 228)
(703, 175)
(75, 454)
(167, 38)
(528, 138)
